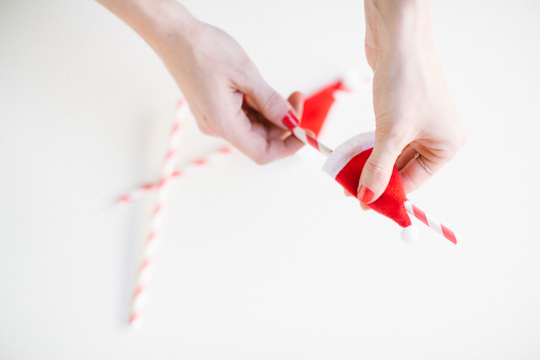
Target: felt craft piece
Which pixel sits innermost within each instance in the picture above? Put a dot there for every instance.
(317, 106)
(345, 165)
(390, 203)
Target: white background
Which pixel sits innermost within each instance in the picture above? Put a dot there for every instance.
(258, 262)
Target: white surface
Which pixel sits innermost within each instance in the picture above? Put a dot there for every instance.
(260, 262)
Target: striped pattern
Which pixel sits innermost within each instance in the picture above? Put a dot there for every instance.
(144, 273)
(139, 192)
(304, 137)
(431, 222)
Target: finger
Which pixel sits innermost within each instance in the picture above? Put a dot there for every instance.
(250, 103)
(378, 168)
(263, 150)
(365, 207)
(262, 126)
(406, 156)
(260, 139)
(414, 175)
(262, 142)
(297, 99)
(269, 130)
(266, 100)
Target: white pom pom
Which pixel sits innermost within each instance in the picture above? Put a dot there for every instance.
(351, 79)
(410, 234)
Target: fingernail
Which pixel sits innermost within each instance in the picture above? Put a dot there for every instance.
(289, 120)
(364, 194)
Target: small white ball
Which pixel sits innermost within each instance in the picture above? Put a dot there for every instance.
(410, 234)
(351, 79)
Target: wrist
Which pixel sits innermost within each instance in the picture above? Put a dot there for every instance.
(156, 21)
(168, 24)
(398, 27)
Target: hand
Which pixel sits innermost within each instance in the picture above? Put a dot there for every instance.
(414, 112)
(214, 73)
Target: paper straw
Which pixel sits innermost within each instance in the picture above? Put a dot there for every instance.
(431, 222)
(144, 272)
(139, 192)
(306, 138)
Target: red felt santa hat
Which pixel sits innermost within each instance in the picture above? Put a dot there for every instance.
(345, 165)
(317, 105)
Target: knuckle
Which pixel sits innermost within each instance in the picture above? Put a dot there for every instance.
(204, 129)
(396, 138)
(247, 76)
(208, 126)
(462, 138)
(243, 76)
(458, 140)
(247, 71)
(376, 172)
(260, 159)
(270, 102)
(260, 156)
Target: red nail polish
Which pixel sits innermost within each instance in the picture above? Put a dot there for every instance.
(289, 120)
(364, 194)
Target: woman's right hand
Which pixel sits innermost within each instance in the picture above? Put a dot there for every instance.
(414, 112)
(214, 73)
(222, 86)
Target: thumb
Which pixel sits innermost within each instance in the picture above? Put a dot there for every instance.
(378, 169)
(263, 98)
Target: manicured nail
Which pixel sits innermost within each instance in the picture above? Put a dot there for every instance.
(289, 120)
(364, 194)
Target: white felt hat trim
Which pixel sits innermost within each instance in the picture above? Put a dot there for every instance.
(345, 152)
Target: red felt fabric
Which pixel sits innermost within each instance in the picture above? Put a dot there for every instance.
(390, 203)
(316, 107)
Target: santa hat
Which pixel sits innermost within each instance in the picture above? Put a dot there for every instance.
(345, 165)
(317, 105)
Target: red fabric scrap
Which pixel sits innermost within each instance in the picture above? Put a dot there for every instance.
(390, 203)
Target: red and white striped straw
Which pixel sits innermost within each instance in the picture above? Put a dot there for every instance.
(144, 272)
(291, 122)
(139, 192)
(431, 222)
(306, 138)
